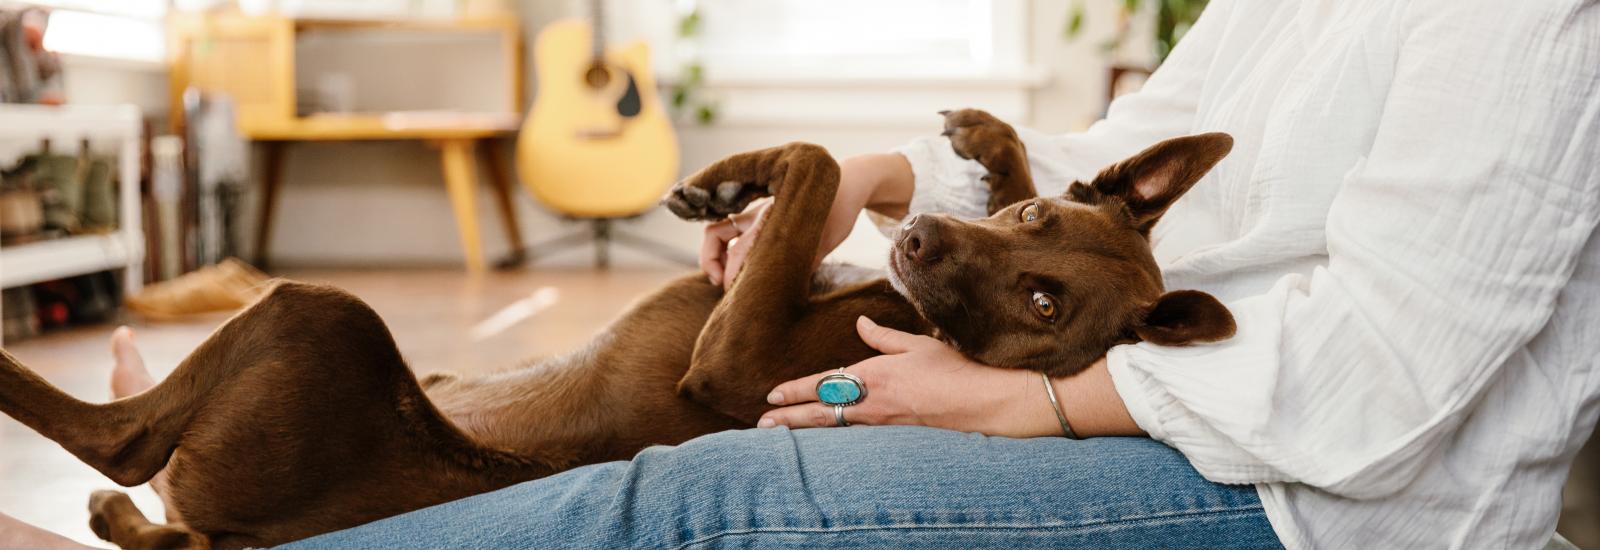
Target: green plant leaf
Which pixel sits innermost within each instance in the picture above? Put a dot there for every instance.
(705, 114)
(689, 24)
(1074, 20)
(694, 74)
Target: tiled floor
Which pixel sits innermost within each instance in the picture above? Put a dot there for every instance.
(430, 312)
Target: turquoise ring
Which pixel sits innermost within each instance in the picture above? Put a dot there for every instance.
(841, 389)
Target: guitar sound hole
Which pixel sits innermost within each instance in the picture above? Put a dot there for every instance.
(597, 76)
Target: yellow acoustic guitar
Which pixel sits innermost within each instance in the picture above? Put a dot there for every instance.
(597, 143)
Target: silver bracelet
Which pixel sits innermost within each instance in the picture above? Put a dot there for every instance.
(1055, 405)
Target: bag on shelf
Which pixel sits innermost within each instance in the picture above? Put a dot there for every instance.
(21, 215)
(99, 195)
(18, 319)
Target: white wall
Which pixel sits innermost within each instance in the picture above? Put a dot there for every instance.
(383, 203)
(92, 81)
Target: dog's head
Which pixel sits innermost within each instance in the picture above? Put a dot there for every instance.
(1050, 284)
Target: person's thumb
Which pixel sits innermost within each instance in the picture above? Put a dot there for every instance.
(885, 339)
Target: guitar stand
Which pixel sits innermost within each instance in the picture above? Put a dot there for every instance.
(602, 233)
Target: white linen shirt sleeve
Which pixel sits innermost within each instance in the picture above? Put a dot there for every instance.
(1447, 247)
(1163, 108)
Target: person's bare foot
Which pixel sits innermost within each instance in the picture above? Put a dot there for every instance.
(16, 534)
(129, 376)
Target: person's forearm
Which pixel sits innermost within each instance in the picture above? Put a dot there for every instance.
(881, 182)
(1092, 404)
(894, 183)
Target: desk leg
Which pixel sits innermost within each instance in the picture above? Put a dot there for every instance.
(461, 180)
(271, 182)
(500, 179)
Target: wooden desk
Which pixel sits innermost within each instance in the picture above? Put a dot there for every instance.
(251, 59)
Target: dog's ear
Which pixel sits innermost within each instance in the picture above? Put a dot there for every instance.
(1150, 181)
(1185, 317)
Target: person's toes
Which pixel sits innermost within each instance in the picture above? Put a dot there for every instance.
(129, 376)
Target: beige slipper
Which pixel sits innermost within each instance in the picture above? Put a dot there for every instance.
(226, 286)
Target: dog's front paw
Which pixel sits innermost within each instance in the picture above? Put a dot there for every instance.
(698, 199)
(978, 135)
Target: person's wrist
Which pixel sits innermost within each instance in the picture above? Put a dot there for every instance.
(1092, 406)
(1023, 409)
(860, 176)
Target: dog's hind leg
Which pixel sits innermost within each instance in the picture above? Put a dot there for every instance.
(294, 328)
(115, 519)
(113, 438)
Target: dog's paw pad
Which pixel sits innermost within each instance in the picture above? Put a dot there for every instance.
(733, 197)
(687, 202)
(692, 201)
(728, 192)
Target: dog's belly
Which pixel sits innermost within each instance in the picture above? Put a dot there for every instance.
(578, 414)
(606, 401)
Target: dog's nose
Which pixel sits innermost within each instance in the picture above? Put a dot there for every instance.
(919, 240)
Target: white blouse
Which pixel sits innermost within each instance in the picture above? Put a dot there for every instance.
(1403, 234)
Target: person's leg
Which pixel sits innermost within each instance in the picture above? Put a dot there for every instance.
(850, 487)
(16, 534)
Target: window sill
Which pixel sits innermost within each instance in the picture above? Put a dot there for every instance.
(1026, 78)
(880, 99)
(112, 63)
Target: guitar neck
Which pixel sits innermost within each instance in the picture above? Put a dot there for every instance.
(597, 15)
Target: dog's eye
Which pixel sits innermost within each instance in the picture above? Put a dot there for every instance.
(1044, 305)
(1029, 213)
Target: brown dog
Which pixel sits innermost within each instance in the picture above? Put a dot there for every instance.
(299, 417)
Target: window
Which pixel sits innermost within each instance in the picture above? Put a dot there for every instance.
(912, 35)
(843, 37)
(125, 29)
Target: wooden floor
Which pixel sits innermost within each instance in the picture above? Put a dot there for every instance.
(431, 313)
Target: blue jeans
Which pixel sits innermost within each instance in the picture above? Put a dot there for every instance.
(860, 487)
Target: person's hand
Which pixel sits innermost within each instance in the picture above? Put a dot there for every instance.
(727, 242)
(922, 381)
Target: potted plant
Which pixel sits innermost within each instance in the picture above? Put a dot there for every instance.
(1173, 19)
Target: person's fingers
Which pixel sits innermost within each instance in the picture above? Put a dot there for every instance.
(799, 390)
(748, 225)
(815, 415)
(714, 248)
(888, 340)
(751, 216)
(734, 262)
(809, 415)
(804, 390)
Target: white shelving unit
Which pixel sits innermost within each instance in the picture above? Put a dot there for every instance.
(25, 126)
